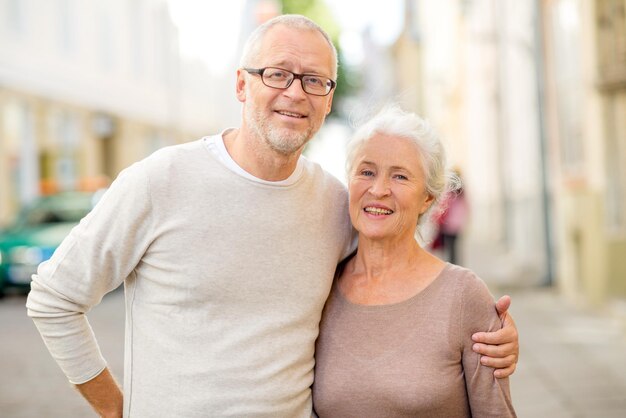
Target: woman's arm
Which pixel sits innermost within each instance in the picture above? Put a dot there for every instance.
(488, 396)
(500, 349)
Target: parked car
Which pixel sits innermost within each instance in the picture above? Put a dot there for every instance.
(37, 232)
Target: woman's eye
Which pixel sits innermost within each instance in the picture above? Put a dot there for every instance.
(401, 177)
(367, 173)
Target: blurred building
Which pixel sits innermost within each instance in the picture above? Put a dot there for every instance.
(585, 67)
(408, 57)
(530, 98)
(88, 87)
(475, 79)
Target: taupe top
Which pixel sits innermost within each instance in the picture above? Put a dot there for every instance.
(410, 359)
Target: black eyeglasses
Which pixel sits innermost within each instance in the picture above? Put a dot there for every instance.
(279, 78)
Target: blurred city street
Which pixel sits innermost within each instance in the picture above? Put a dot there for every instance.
(31, 383)
(572, 362)
(527, 96)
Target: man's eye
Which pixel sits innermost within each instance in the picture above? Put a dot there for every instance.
(276, 75)
(314, 81)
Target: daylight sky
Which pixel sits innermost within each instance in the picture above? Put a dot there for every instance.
(210, 29)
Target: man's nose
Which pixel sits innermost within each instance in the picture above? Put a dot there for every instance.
(295, 89)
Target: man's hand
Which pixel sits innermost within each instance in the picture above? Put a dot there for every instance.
(104, 395)
(500, 349)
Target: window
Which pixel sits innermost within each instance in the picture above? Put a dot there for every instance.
(22, 149)
(136, 21)
(105, 33)
(14, 17)
(67, 25)
(66, 135)
(615, 106)
(565, 28)
(611, 20)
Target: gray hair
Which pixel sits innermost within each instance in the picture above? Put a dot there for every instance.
(395, 122)
(251, 48)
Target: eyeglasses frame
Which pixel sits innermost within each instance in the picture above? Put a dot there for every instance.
(260, 72)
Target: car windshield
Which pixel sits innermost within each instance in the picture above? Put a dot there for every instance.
(57, 209)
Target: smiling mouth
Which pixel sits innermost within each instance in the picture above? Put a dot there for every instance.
(378, 211)
(290, 114)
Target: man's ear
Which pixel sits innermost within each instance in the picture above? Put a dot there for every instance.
(329, 106)
(240, 87)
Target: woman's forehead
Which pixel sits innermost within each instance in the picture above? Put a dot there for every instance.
(386, 146)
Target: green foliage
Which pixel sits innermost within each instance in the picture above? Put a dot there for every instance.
(318, 11)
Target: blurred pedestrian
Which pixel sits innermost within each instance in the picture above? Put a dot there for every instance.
(451, 220)
(395, 337)
(226, 247)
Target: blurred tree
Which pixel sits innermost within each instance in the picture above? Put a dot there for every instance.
(318, 11)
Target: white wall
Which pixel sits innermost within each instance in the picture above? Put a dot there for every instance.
(480, 89)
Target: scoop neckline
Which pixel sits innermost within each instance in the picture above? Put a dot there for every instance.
(388, 306)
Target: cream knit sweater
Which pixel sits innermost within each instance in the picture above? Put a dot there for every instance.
(225, 280)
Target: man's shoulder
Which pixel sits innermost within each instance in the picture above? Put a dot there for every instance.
(179, 158)
(170, 164)
(324, 178)
(177, 151)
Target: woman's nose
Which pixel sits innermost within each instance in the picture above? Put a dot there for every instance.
(380, 187)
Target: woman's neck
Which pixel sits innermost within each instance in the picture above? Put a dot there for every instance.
(377, 259)
(383, 272)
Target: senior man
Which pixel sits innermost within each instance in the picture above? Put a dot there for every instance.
(227, 248)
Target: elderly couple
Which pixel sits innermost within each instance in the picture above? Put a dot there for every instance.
(242, 280)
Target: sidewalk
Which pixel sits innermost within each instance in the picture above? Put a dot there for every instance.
(572, 363)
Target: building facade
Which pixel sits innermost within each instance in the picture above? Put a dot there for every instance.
(530, 99)
(585, 67)
(478, 85)
(88, 87)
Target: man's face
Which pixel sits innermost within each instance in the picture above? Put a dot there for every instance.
(286, 119)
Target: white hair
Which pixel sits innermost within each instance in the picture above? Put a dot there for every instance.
(392, 121)
(251, 48)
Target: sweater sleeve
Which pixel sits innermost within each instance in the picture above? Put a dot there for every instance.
(95, 258)
(488, 396)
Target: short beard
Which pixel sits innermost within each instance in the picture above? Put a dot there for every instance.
(283, 141)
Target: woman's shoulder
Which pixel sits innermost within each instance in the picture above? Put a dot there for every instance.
(470, 289)
(463, 276)
(474, 300)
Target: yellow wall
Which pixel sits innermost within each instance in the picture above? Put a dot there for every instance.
(96, 160)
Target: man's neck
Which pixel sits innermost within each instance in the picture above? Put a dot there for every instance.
(257, 159)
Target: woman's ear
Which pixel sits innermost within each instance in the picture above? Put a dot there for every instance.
(430, 199)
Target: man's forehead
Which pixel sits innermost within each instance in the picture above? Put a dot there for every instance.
(302, 36)
(305, 48)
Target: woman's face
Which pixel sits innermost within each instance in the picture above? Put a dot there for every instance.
(387, 193)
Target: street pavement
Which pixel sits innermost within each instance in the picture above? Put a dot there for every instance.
(31, 384)
(572, 364)
(572, 361)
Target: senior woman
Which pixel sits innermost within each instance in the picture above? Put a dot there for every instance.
(395, 337)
